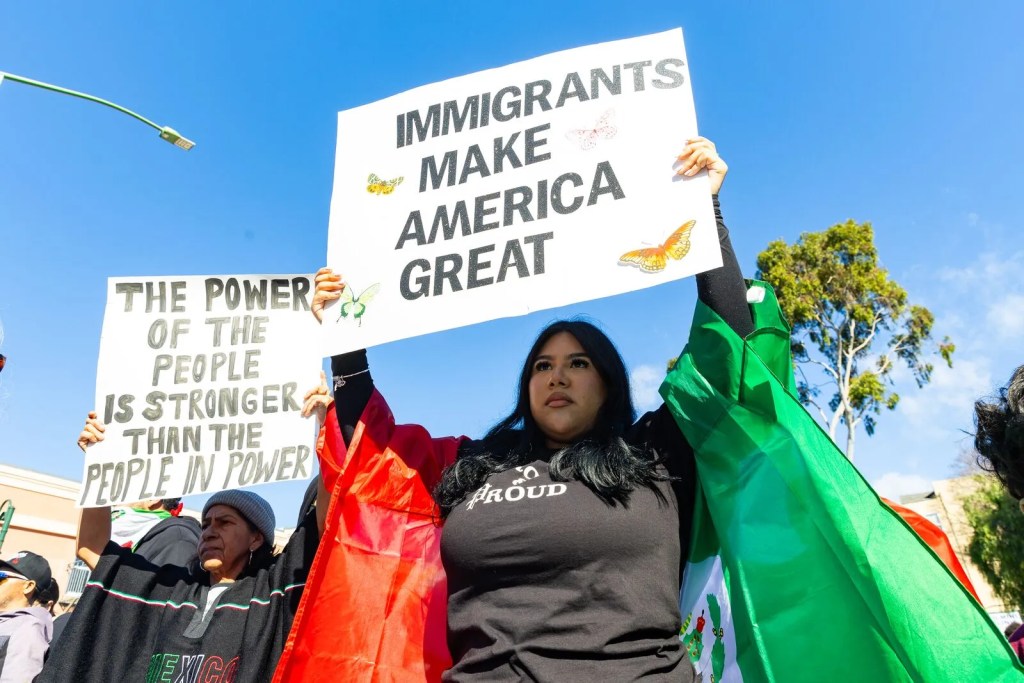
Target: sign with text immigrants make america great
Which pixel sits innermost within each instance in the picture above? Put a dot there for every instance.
(200, 383)
(512, 190)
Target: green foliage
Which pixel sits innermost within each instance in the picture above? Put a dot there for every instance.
(997, 547)
(850, 320)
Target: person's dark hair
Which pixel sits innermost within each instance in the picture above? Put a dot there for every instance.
(1011, 628)
(262, 558)
(999, 438)
(47, 595)
(602, 460)
(170, 503)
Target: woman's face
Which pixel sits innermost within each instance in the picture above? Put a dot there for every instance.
(566, 391)
(226, 542)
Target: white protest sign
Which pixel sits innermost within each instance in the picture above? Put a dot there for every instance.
(521, 188)
(200, 383)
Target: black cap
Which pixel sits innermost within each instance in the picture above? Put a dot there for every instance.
(30, 566)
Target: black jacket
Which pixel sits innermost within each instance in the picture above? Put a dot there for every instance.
(175, 541)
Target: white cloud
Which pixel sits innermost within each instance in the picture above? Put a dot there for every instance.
(952, 391)
(990, 272)
(892, 485)
(980, 305)
(1005, 317)
(644, 381)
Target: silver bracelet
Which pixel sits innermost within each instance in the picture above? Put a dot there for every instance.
(339, 380)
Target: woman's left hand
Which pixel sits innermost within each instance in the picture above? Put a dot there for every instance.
(316, 400)
(700, 153)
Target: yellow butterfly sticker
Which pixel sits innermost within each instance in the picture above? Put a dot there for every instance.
(654, 259)
(379, 186)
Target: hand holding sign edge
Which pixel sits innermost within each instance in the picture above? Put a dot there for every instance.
(328, 287)
(94, 525)
(699, 154)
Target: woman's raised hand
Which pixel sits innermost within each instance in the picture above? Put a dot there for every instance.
(93, 432)
(94, 524)
(316, 400)
(328, 287)
(700, 153)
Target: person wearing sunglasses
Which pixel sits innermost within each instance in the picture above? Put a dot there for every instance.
(26, 626)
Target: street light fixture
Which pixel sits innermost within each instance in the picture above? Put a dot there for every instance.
(6, 514)
(166, 133)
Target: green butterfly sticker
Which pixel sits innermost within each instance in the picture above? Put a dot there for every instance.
(354, 307)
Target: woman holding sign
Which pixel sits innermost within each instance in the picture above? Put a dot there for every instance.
(224, 618)
(564, 529)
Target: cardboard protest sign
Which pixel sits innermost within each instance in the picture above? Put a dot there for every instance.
(530, 186)
(200, 383)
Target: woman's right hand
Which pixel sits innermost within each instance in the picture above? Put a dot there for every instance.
(93, 432)
(329, 287)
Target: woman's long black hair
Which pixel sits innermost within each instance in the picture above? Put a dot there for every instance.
(602, 459)
(999, 439)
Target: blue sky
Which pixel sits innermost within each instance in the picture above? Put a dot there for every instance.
(903, 114)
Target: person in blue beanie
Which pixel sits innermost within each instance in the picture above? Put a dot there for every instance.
(225, 616)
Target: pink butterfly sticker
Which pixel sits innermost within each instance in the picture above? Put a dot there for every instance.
(587, 138)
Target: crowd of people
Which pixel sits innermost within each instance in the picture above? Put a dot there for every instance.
(563, 531)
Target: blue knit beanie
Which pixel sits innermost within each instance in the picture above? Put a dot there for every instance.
(256, 510)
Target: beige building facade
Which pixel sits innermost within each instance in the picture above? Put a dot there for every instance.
(44, 519)
(944, 506)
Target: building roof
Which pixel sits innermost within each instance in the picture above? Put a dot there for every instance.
(916, 497)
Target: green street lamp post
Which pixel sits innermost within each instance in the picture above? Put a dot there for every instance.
(6, 514)
(167, 133)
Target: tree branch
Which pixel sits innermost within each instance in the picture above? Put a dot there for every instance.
(885, 361)
(848, 374)
(869, 337)
(821, 412)
(828, 368)
(834, 422)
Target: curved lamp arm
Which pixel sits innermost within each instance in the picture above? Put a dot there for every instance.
(167, 133)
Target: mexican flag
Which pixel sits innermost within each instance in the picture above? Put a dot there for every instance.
(798, 571)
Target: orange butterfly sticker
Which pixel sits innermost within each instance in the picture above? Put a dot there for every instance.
(654, 259)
